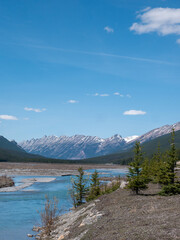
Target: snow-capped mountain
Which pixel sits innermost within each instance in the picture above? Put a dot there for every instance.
(80, 146)
(157, 132)
(75, 147)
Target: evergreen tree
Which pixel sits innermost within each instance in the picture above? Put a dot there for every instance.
(158, 167)
(79, 188)
(172, 158)
(136, 180)
(161, 172)
(95, 186)
(146, 170)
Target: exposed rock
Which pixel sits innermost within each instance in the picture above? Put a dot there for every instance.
(123, 184)
(36, 229)
(30, 235)
(82, 216)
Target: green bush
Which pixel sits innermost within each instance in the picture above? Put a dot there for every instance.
(170, 189)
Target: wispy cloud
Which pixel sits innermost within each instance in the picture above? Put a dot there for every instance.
(109, 29)
(72, 101)
(26, 118)
(101, 54)
(163, 21)
(37, 110)
(108, 95)
(8, 117)
(134, 112)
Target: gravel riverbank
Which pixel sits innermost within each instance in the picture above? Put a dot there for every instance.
(48, 169)
(26, 183)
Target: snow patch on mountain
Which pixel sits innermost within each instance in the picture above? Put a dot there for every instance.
(131, 138)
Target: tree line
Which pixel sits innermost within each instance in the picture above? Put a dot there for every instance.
(84, 189)
(159, 169)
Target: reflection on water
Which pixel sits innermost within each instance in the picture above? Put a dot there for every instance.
(19, 210)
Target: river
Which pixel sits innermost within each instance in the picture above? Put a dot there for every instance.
(19, 211)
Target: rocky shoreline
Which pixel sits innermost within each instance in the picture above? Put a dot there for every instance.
(80, 217)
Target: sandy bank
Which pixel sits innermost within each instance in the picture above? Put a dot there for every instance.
(26, 183)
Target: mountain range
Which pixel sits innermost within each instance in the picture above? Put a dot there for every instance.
(81, 147)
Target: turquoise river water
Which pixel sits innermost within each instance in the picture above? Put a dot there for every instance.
(19, 210)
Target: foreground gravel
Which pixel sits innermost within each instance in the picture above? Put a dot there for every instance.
(122, 216)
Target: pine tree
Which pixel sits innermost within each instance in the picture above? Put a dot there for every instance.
(79, 188)
(158, 166)
(146, 171)
(172, 158)
(136, 180)
(95, 186)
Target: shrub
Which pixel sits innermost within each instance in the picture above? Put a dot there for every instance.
(49, 215)
(6, 181)
(170, 189)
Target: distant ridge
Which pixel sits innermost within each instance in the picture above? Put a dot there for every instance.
(75, 147)
(81, 147)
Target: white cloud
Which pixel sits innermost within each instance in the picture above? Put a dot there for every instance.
(118, 94)
(163, 21)
(178, 41)
(104, 95)
(128, 95)
(26, 118)
(100, 94)
(37, 110)
(134, 112)
(73, 101)
(8, 117)
(108, 29)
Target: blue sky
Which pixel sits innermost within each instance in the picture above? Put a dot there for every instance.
(96, 67)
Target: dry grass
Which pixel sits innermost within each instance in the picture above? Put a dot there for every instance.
(48, 217)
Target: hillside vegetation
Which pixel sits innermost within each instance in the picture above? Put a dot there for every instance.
(149, 148)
